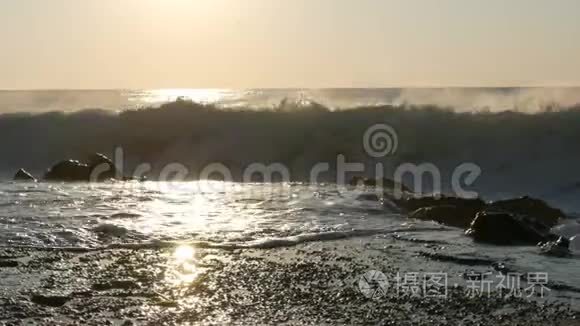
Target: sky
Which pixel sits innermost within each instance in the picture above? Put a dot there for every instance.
(106, 44)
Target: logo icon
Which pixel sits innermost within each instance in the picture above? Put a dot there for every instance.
(373, 284)
(380, 140)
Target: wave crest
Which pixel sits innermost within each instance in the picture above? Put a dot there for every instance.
(519, 153)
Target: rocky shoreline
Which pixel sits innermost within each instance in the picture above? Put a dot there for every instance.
(314, 283)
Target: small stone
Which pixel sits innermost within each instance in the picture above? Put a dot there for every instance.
(8, 263)
(51, 301)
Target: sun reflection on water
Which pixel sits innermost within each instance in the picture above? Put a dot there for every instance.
(206, 96)
(182, 266)
(183, 253)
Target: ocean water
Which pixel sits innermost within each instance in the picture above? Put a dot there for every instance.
(231, 216)
(523, 140)
(86, 215)
(461, 99)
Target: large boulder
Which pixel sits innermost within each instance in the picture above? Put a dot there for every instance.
(502, 228)
(451, 211)
(98, 168)
(531, 207)
(69, 170)
(455, 216)
(23, 175)
(509, 222)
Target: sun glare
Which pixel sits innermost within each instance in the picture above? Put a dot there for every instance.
(184, 253)
(206, 96)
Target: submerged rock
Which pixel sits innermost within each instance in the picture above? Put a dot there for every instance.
(506, 229)
(23, 175)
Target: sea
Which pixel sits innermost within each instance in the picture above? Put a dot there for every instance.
(523, 139)
(523, 99)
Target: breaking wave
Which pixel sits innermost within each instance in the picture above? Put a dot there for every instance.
(519, 153)
(264, 243)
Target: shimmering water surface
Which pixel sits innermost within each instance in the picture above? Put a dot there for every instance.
(461, 99)
(230, 215)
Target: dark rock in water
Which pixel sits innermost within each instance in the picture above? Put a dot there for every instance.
(387, 184)
(106, 167)
(99, 158)
(563, 242)
(506, 229)
(70, 170)
(51, 301)
(533, 208)
(8, 263)
(125, 215)
(558, 248)
(99, 168)
(516, 221)
(455, 216)
(23, 175)
(110, 230)
(413, 203)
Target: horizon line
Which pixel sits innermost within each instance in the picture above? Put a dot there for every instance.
(280, 88)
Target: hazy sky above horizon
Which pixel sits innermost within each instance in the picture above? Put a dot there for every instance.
(287, 43)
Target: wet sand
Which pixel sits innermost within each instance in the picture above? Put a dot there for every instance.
(311, 283)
